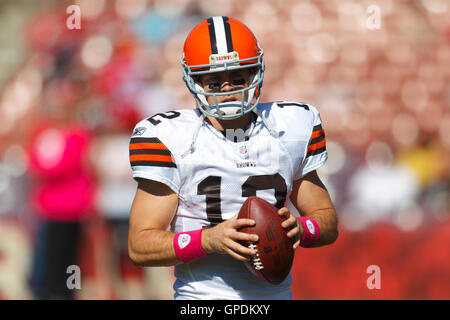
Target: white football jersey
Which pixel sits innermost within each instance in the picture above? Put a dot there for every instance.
(213, 182)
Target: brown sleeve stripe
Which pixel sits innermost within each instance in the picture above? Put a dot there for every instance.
(163, 152)
(152, 160)
(153, 164)
(316, 151)
(145, 140)
(317, 139)
(317, 134)
(150, 152)
(317, 142)
(316, 146)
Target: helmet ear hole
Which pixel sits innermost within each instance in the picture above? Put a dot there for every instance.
(196, 79)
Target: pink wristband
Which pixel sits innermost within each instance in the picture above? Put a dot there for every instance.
(311, 232)
(188, 245)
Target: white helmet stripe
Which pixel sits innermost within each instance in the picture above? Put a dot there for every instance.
(221, 40)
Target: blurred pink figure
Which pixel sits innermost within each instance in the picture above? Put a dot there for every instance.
(62, 198)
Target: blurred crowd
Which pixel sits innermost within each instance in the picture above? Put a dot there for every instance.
(378, 72)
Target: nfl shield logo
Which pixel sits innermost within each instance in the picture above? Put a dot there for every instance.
(243, 152)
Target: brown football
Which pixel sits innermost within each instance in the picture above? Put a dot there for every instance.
(275, 253)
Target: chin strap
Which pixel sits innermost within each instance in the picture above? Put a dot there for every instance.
(272, 132)
(198, 125)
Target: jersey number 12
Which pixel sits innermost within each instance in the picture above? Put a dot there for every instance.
(211, 186)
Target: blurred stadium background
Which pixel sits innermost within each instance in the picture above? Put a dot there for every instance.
(69, 100)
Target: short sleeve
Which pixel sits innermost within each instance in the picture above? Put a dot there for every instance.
(316, 152)
(150, 157)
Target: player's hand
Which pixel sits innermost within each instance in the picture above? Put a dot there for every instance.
(293, 225)
(224, 238)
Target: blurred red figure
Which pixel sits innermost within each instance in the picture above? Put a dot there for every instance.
(62, 198)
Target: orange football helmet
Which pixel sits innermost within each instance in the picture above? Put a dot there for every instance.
(219, 44)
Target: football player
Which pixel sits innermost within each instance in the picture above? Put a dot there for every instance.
(195, 168)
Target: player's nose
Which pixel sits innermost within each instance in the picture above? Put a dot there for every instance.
(227, 86)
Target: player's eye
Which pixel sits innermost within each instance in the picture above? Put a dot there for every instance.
(214, 85)
(238, 82)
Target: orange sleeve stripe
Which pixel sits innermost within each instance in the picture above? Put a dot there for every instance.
(317, 134)
(316, 146)
(147, 145)
(150, 157)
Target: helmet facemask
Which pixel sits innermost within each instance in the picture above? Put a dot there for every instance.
(233, 109)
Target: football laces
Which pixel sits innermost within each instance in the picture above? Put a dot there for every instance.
(255, 258)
